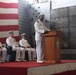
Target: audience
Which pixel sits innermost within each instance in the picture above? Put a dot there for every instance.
(19, 48)
(20, 52)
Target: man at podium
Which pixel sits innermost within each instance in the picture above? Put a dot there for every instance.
(39, 29)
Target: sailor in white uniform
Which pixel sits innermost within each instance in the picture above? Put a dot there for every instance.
(4, 51)
(10, 41)
(39, 29)
(24, 43)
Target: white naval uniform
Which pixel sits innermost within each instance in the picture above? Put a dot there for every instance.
(39, 29)
(24, 43)
(4, 51)
(12, 42)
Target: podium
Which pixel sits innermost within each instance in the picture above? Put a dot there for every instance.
(51, 46)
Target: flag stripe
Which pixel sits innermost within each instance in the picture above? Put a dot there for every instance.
(5, 33)
(8, 5)
(9, 22)
(8, 19)
(9, 27)
(9, 1)
(8, 11)
(3, 40)
(8, 16)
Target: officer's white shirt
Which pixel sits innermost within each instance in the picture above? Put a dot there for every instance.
(39, 29)
(11, 42)
(24, 43)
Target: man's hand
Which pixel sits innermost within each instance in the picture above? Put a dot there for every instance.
(28, 47)
(16, 46)
(46, 31)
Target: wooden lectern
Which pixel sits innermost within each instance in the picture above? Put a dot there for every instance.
(52, 46)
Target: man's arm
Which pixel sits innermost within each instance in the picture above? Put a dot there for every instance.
(20, 43)
(28, 45)
(8, 42)
(47, 28)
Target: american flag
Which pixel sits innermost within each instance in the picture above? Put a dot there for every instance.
(8, 19)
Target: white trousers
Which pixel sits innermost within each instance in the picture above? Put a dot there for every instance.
(31, 53)
(4, 51)
(20, 53)
(39, 51)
